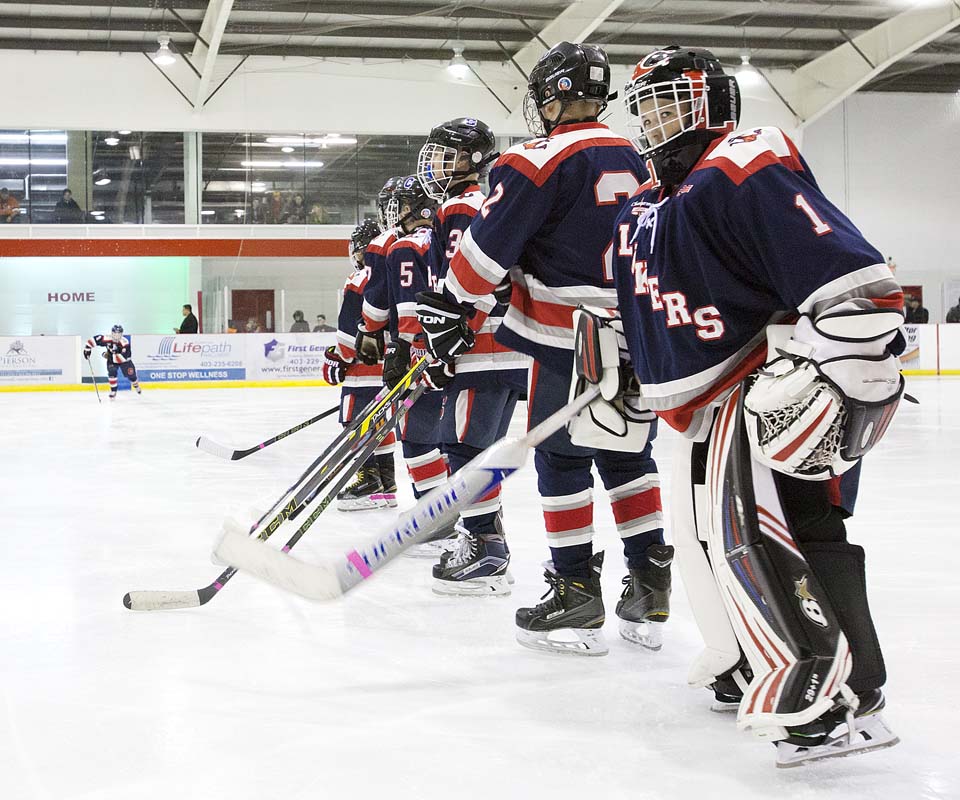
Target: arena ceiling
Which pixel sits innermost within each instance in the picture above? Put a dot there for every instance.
(782, 35)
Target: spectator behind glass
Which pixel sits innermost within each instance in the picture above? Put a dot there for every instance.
(252, 326)
(915, 314)
(66, 211)
(953, 315)
(299, 324)
(189, 324)
(295, 212)
(9, 206)
(321, 326)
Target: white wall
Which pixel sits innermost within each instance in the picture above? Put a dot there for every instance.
(891, 162)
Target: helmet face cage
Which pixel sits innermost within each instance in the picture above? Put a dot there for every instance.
(658, 113)
(383, 198)
(116, 333)
(362, 235)
(436, 168)
(391, 213)
(531, 115)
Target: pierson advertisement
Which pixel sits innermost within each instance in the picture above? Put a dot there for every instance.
(286, 356)
(205, 357)
(39, 359)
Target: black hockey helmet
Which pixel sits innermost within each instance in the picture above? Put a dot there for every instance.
(116, 333)
(447, 142)
(410, 195)
(687, 99)
(362, 235)
(383, 197)
(566, 72)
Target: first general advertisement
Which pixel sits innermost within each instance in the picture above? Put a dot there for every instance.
(204, 357)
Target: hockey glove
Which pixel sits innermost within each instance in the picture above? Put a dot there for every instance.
(503, 291)
(445, 326)
(438, 375)
(369, 346)
(396, 362)
(86, 353)
(334, 367)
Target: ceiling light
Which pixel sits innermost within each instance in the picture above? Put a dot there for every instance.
(113, 141)
(286, 149)
(458, 67)
(747, 75)
(164, 57)
(281, 164)
(124, 133)
(104, 181)
(207, 212)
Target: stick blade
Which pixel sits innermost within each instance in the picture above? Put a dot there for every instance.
(247, 553)
(210, 446)
(159, 601)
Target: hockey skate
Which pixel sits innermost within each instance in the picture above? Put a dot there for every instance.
(388, 480)
(728, 688)
(840, 732)
(571, 620)
(477, 567)
(440, 546)
(113, 394)
(366, 491)
(645, 603)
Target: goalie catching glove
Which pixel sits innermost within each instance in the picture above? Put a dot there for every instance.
(617, 420)
(829, 394)
(445, 326)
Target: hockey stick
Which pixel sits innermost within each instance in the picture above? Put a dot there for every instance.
(375, 425)
(335, 576)
(212, 447)
(94, 381)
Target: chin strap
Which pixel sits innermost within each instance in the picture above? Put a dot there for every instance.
(673, 164)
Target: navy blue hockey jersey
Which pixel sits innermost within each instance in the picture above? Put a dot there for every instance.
(117, 352)
(451, 223)
(410, 272)
(348, 320)
(746, 241)
(549, 214)
(376, 298)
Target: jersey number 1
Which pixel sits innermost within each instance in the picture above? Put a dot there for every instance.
(819, 226)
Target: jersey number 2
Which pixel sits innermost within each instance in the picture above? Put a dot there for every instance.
(611, 186)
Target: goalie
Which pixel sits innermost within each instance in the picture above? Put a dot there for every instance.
(733, 235)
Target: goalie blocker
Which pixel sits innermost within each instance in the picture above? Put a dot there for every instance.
(616, 420)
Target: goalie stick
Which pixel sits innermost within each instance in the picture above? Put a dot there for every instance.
(221, 450)
(374, 425)
(335, 576)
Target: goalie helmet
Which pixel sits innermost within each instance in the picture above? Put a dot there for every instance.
(409, 204)
(116, 333)
(446, 145)
(362, 235)
(678, 97)
(566, 72)
(383, 198)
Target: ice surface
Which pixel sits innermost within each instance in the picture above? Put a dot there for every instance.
(394, 692)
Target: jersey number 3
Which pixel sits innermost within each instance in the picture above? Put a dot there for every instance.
(608, 190)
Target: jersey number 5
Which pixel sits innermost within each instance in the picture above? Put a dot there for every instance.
(609, 188)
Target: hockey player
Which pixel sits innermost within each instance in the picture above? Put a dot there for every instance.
(117, 353)
(375, 485)
(550, 204)
(478, 402)
(731, 235)
(407, 268)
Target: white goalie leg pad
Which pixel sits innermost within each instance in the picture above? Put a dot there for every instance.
(800, 661)
(721, 651)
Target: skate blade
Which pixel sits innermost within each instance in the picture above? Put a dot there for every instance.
(433, 549)
(565, 641)
(494, 586)
(721, 707)
(648, 635)
(871, 734)
(364, 504)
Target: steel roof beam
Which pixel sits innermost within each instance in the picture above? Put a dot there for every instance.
(204, 54)
(821, 84)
